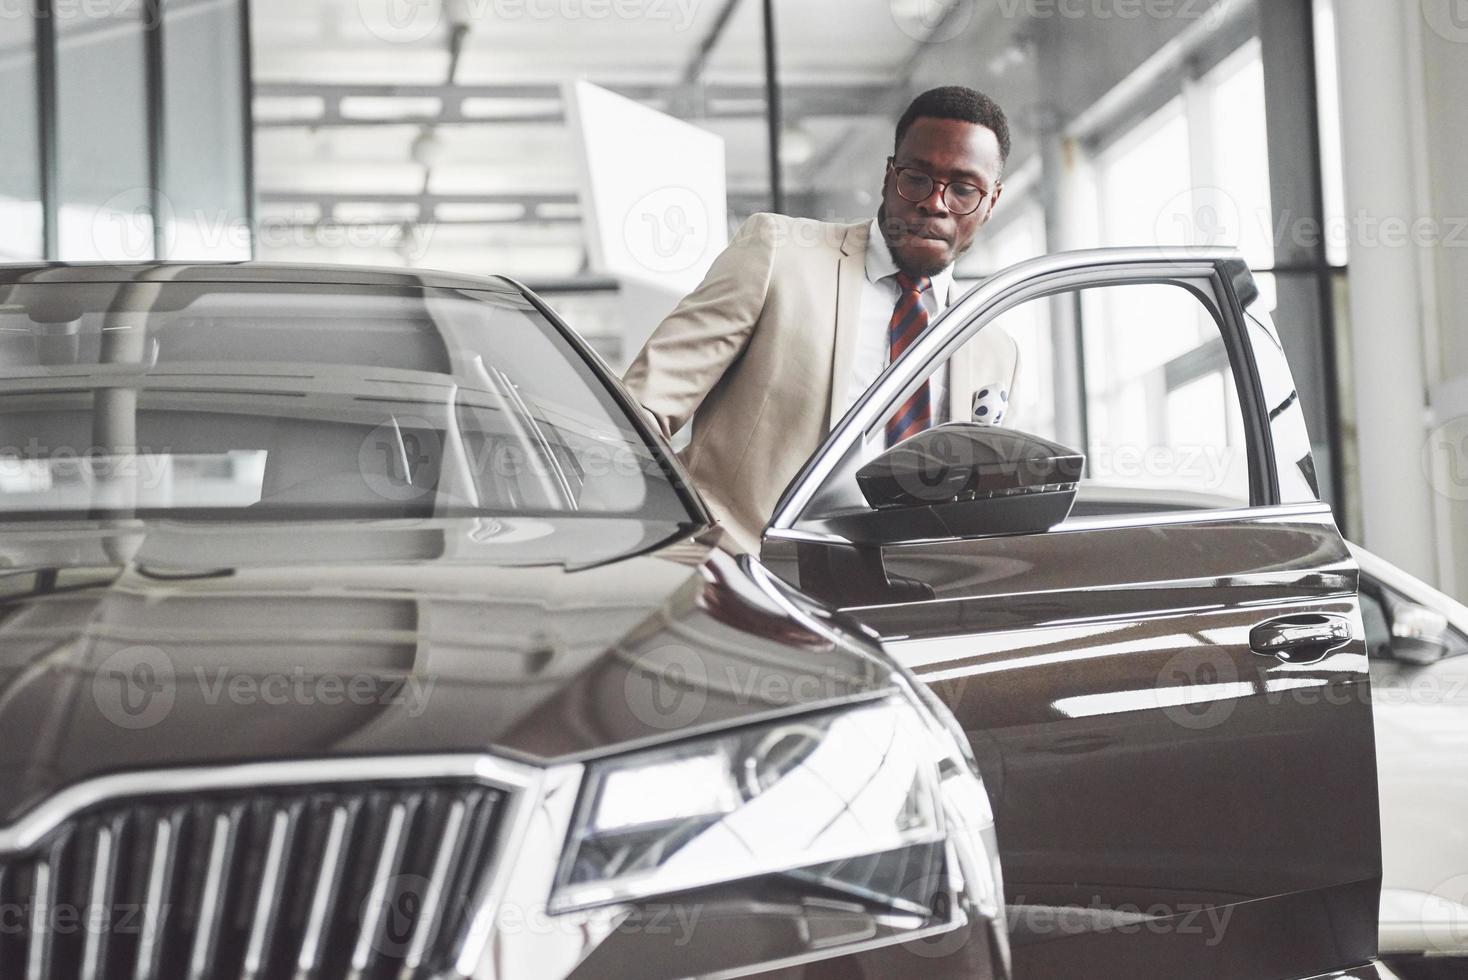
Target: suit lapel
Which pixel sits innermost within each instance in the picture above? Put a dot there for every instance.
(851, 274)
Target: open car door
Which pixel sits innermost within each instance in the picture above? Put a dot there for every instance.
(1141, 614)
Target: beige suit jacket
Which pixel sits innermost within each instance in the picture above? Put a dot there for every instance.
(759, 356)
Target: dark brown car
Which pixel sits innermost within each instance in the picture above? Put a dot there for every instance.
(354, 628)
(355, 625)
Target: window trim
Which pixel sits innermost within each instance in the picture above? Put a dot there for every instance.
(672, 467)
(1271, 512)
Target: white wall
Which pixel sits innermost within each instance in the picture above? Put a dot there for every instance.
(1445, 88)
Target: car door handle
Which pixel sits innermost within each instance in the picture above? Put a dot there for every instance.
(1302, 639)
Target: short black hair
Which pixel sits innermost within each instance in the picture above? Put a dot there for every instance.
(961, 103)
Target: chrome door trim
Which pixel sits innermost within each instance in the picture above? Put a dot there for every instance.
(1270, 512)
(1312, 508)
(1018, 283)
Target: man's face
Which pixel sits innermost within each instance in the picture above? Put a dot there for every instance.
(926, 237)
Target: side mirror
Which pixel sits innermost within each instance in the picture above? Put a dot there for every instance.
(1419, 634)
(963, 480)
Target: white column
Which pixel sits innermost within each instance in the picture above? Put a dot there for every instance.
(1380, 85)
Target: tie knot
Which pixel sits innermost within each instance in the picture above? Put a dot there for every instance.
(913, 284)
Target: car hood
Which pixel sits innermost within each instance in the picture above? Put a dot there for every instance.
(147, 644)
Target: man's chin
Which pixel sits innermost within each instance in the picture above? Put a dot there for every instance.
(919, 260)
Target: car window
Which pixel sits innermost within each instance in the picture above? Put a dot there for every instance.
(1149, 397)
(1136, 375)
(1295, 459)
(272, 400)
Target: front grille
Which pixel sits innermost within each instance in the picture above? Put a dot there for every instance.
(360, 882)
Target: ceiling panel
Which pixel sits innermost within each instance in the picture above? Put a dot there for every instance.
(317, 144)
(852, 38)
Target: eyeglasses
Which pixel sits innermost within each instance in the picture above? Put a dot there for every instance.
(916, 187)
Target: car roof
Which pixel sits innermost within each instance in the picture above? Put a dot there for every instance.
(245, 272)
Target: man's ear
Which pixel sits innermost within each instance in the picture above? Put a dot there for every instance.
(994, 201)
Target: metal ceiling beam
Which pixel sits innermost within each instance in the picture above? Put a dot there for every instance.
(774, 109)
(694, 71)
(522, 221)
(449, 117)
(331, 90)
(327, 202)
(723, 101)
(394, 197)
(642, 91)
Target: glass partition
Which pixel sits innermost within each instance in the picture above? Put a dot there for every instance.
(204, 151)
(20, 172)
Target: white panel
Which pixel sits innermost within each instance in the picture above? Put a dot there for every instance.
(654, 199)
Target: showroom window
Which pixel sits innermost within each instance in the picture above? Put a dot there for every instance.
(102, 138)
(1143, 185)
(1332, 162)
(127, 132)
(1154, 369)
(1196, 172)
(1161, 417)
(1231, 155)
(1023, 237)
(205, 149)
(1185, 163)
(1018, 235)
(20, 171)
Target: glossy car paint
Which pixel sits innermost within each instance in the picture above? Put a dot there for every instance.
(411, 640)
(365, 639)
(1130, 739)
(1169, 802)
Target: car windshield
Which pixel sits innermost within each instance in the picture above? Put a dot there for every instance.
(276, 401)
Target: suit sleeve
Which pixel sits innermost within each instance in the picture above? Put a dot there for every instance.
(692, 348)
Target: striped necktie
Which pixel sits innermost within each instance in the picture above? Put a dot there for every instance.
(909, 319)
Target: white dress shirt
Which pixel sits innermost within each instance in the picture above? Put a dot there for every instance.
(879, 295)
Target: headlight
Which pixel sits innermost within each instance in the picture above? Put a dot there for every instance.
(808, 792)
